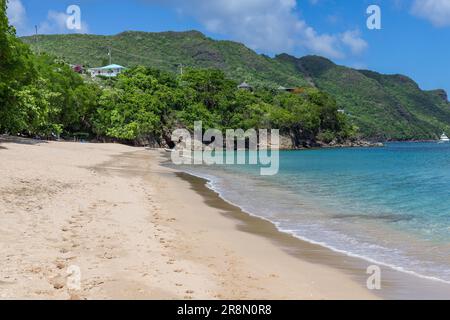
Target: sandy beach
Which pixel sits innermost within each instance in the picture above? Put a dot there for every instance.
(133, 229)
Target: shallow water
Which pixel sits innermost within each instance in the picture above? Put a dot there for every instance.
(388, 205)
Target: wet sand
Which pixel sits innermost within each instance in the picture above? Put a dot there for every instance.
(394, 284)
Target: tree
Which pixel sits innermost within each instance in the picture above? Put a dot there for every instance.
(17, 72)
(134, 107)
(211, 86)
(74, 101)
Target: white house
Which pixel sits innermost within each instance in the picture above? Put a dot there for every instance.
(113, 70)
(245, 86)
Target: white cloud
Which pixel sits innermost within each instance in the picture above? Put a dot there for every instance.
(54, 23)
(324, 44)
(354, 41)
(436, 11)
(17, 15)
(272, 26)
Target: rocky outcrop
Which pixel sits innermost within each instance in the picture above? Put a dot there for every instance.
(287, 142)
(352, 144)
(442, 94)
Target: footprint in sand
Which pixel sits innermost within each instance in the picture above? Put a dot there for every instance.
(63, 250)
(108, 256)
(60, 265)
(58, 282)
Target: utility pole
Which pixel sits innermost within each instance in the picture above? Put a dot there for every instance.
(181, 66)
(36, 40)
(110, 55)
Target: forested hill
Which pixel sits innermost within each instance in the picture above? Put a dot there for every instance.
(167, 51)
(382, 106)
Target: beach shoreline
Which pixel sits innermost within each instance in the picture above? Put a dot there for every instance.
(139, 230)
(396, 284)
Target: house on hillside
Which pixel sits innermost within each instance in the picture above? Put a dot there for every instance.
(113, 70)
(78, 68)
(297, 90)
(245, 86)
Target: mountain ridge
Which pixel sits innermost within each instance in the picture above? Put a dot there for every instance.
(385, 107)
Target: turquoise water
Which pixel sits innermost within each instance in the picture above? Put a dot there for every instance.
(388, 205)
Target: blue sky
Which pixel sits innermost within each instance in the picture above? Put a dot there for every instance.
(414, 39)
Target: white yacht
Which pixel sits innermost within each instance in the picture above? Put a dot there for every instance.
(444, 138)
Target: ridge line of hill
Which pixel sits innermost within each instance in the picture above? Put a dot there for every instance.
(384, 107)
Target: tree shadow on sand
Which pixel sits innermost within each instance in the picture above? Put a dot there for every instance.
(18, 140)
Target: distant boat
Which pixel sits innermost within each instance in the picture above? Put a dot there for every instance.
(444, 138)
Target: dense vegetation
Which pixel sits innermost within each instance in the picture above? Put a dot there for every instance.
(40, 95)
(382, 106)
(147, 102)
(167, 51)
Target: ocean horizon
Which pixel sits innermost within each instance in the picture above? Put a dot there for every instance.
(389, 205)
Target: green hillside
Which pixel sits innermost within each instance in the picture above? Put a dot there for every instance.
(382, 106)
(166, 51)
